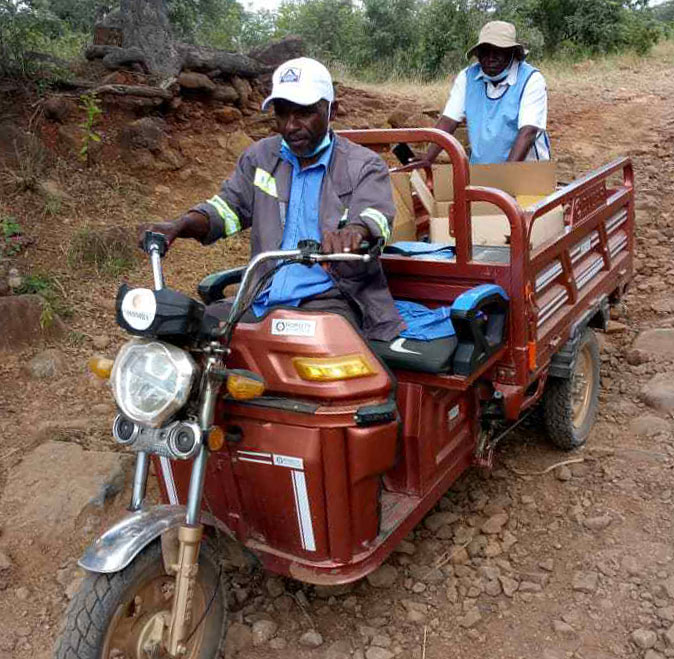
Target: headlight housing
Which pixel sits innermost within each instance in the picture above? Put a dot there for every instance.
(151, 380)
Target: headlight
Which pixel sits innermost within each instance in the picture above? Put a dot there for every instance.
(151, 380)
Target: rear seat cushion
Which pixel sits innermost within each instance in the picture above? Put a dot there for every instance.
(412, 355)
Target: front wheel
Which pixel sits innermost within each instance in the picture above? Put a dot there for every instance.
(116, 616)
(570, 404)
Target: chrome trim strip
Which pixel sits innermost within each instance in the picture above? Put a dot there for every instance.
(616, 220)
(582, 248)
(548, 275)
(552, 307)
(589, 273)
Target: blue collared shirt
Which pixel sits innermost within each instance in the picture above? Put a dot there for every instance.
(296, 282)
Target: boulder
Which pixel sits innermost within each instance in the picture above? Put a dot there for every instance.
(277, 52)
(227, 115)
(657, 343)
(239, 637)
(658, 392)
(238, 142)
(17, 145)
(263, 631)
(56, 484)
(243, 89)
(406, 115)
(59, 108)
(47, 364)
(383, 577)
(311, 639)
(225, 94)
(145, 144)
(649, 426)
(26, 320)
(196, 81)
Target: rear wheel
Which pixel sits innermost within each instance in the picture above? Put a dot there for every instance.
(117, 616)
(570, 404)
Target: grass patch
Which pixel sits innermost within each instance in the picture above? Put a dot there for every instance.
(558, 71)
(28, 168)
(50, 290)
(110, 251)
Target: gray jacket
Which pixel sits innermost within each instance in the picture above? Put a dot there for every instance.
(356, 188)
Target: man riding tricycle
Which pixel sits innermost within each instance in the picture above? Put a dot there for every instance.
(319, 415)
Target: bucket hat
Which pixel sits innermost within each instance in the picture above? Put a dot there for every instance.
(500, 34)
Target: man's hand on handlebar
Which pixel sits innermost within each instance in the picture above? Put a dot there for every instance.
(192, 225)
(347, 239)
(420, 163)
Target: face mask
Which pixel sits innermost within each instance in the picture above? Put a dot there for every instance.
(323, 144)
(501, 76)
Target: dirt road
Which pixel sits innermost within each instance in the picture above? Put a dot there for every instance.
(583, 565)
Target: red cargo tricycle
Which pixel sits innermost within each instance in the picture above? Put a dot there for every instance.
(317, 450)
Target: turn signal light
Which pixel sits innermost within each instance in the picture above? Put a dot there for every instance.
(244, 385)
(330, 369)
(101, 366)
(216, 438)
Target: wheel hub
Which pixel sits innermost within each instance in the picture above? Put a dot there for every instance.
(151, 633)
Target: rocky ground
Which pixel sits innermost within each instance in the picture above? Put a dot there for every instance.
(575, 560)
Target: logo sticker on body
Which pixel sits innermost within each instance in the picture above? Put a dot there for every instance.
(397, 346)
(288, 461)
(139, 308)
(293, 327)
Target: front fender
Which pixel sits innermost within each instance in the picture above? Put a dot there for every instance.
(120, 544)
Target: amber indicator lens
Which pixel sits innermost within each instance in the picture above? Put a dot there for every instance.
(216, 438)
(330, 369)
(100, 366)
(244, 385)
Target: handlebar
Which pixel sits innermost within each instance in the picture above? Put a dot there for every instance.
(308, 252)
(156, 246)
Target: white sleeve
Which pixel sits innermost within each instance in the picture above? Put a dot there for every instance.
(456, 104)
(534, 103)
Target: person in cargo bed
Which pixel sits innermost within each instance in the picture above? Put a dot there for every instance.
(502, 99)
(305, 184)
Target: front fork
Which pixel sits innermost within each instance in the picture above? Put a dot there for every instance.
(186, 566)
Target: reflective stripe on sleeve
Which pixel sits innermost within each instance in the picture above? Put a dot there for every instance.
(266, 182)
(229, 217)
(379, 219)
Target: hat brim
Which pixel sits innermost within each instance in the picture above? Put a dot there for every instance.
(521, 50)
(298, 96)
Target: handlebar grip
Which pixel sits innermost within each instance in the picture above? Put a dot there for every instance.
(152, 239)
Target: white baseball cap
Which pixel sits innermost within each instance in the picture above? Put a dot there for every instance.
(303, 81)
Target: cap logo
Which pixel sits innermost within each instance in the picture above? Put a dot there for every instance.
(291, 75)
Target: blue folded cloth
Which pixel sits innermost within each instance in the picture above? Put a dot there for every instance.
(424, 324)
(417, 249)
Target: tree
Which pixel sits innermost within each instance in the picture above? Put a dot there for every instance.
(331, 29)
(146, 26)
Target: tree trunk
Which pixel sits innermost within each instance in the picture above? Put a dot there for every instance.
(145, 25)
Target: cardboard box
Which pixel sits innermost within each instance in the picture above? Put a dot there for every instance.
(528, 182)
(404, 223)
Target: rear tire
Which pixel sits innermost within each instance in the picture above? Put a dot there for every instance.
(106, 616)
(570, 404)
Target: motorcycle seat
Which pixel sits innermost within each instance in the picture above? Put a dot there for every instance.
(476, 331)
(411, 355)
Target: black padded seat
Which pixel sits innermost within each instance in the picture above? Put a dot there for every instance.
(411, 355)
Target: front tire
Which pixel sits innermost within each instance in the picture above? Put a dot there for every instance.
(110, 613)
(570, 404)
